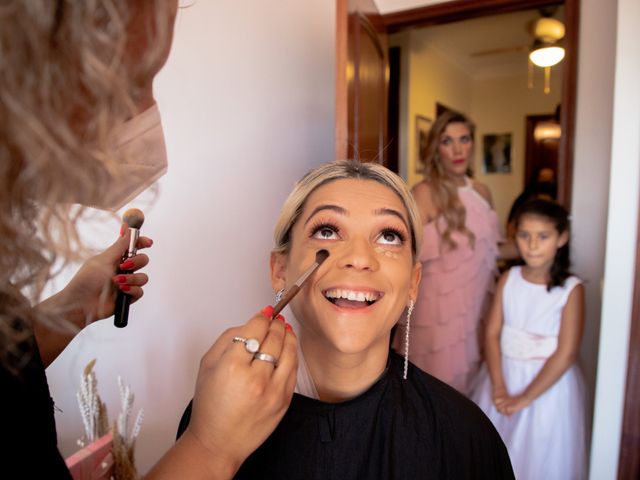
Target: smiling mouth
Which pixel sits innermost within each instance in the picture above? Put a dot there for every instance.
(352, 299)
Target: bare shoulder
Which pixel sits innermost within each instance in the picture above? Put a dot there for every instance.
(483, 190)
(577, 294)
(422, 195)
(421, 190)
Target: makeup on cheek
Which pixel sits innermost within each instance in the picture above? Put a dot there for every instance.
(386, 252)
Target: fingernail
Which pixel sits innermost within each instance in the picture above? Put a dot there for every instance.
(121, 279)
(288, 328)
(124, 288)
(150, 242)
(127, 265)
(281, 318)
(267, 311)
(123, 228)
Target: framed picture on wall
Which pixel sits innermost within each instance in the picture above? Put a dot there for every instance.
(496, 153)
(423, 125)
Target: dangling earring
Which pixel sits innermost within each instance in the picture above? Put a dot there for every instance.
(279, 295)
(406, 339)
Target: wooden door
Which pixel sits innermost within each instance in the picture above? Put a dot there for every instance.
(541, 151)
(361, 82)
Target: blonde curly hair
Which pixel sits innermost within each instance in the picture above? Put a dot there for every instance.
(443, 190)
(70, 71)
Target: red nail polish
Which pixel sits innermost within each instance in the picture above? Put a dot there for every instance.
(267, 311)
(123, 228)
(124, 288)
(121, 279)
(127, 265)
(281, 318)
(288, 328)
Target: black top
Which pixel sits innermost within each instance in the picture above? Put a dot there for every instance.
(28, 441)
(419, 428)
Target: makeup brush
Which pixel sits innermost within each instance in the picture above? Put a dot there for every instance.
(321, 256)
(134, 218)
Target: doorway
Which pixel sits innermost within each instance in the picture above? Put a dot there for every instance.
(479, 67)
(542, 150)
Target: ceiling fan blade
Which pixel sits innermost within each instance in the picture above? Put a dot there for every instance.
(497, 51)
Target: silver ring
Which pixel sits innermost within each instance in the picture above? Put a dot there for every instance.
(251, 345)
(265, 357)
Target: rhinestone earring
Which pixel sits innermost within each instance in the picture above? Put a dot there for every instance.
(279, 295)
(406, 339)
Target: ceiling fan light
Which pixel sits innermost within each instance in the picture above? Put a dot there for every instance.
(548, 29)
(546, 56)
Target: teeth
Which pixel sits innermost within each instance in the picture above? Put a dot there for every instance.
(351, 295)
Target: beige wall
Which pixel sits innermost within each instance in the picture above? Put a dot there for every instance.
(427, 78)
(496, 105)
(500, 105)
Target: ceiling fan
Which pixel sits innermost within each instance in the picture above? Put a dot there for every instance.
(546, 32)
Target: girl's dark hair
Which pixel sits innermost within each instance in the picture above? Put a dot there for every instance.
(558, 215)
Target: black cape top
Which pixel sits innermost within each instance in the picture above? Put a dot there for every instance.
(28, 443)
(419, 428)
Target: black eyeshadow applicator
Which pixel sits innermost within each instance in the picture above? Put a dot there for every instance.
(134, 218)
(321, 256)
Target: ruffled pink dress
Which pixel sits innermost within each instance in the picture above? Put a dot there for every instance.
(455, 293)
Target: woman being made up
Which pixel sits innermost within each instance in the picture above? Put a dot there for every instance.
(458, 257)
(362, 412)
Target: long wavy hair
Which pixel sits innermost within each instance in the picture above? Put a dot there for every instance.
(443, 189)
(70, 71)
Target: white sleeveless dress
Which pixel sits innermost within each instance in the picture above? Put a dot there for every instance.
(546, 440)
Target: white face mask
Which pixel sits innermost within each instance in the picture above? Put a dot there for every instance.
(142, 158)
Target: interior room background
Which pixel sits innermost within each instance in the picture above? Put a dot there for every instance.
(248, 104)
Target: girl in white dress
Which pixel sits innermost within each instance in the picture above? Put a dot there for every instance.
(530, 386)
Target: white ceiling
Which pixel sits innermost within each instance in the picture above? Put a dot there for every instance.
(388, 6)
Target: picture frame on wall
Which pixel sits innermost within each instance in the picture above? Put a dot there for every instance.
(423, 125)
(496, 152)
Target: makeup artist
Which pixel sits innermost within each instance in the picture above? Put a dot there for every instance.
(73, 72)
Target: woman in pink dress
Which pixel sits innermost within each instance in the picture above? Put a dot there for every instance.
(458, 257)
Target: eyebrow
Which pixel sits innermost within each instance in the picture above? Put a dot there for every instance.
(342, 211)
(320, 208)
(393, 212)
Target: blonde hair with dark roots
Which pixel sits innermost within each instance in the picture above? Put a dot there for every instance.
(443, 189)
(65, 83)
(344, 169)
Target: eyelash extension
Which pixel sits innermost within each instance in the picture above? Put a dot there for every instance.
(395, 231)
(322, 225)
